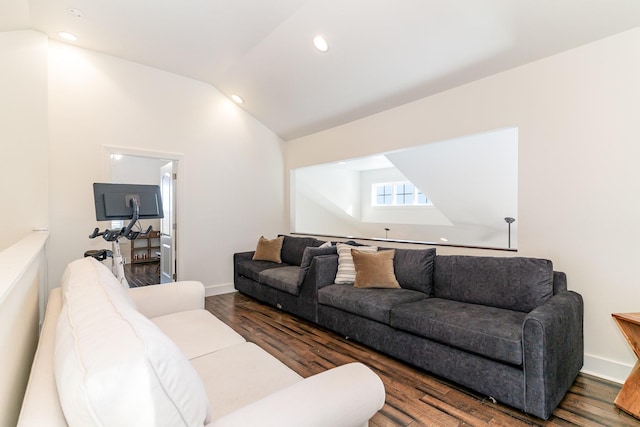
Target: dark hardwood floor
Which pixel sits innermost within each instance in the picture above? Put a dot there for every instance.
(414, 397)
(142, 274)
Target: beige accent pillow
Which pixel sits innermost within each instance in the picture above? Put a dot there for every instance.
(374, 270)
(269, 250)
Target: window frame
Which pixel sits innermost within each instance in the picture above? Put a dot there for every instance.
(395, 185)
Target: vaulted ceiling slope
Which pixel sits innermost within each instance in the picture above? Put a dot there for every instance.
(382, 53)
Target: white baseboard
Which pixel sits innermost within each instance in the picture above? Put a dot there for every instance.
(224, 288)
(607, 369)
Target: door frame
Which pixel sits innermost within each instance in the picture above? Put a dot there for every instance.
(168, 171)
(178, 158)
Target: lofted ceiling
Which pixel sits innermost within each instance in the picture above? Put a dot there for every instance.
(382, 53)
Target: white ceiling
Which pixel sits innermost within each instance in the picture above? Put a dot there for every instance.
(383, 53)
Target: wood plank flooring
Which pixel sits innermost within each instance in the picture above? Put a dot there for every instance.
(142, 274)
(414, 397)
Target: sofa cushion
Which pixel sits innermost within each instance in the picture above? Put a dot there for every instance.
(414, 269)
(374, 270)
(283, 278)
(374, 304)
(237, 376)
(252, 269)
(197, 332)
(308, 255)
(268, 250)
(517, 283)
(293, 248)
(346, 270)
(112, 365)
(492, 332)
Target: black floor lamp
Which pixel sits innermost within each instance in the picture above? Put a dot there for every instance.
(509, 220)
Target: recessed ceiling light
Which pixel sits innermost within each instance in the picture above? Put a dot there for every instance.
(237, 99)
(75, 12)
(444, 239)
(321, 43)
(67, 36)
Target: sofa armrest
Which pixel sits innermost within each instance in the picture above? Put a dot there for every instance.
(347, 396)
(41, 404)
(158, 300)
(241, 256)
(553, 344)
(323, 270)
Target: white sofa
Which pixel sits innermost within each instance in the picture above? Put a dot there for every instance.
(153, 356)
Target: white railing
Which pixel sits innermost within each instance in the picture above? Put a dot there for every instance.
(23, 292)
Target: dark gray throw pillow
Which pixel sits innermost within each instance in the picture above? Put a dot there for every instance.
(307, 257)
(414, 269)
(293, 248)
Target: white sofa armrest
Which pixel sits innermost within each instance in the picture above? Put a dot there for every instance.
(158, 300)
(41, 404)
(346, 396)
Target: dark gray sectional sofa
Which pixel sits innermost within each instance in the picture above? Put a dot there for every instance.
(505, 327)
(290, 285)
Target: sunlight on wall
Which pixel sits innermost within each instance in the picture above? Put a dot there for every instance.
(72, 62)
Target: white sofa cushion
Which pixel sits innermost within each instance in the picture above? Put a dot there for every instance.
(112, 365)
(242, 374)
(197, 332)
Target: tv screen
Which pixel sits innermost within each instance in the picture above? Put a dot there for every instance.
(115, 201)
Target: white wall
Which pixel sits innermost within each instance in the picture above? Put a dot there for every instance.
(23, 268)
(579, 180)
(23, 132)
(328, 199)
(232, 169)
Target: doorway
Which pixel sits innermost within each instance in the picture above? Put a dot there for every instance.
(153, 259)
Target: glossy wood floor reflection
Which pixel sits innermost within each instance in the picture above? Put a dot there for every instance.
(142, 274)
(414, 398)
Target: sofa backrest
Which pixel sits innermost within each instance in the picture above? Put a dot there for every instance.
(414, 269)
(516, 283)
(293, 248)
(112, 365)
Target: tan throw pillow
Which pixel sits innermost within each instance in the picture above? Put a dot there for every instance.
(346, 274)
(269, 250)
(374, 270)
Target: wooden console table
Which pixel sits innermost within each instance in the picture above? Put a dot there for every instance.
(629, 397)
